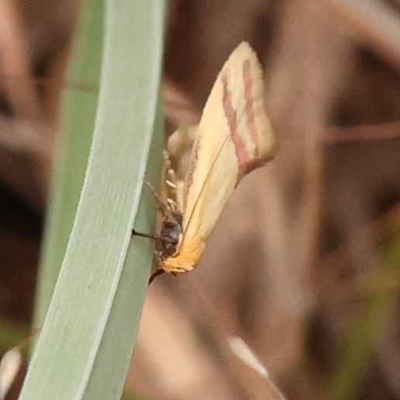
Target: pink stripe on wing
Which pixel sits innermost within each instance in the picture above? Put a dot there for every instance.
(249, 102)
(231, 117)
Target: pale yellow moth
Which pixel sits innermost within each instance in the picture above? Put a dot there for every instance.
(234, 136)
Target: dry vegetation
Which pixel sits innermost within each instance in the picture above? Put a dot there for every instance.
(306, 250)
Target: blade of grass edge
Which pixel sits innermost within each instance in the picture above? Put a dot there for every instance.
(79, 109)
(81, 317)
(121, 330)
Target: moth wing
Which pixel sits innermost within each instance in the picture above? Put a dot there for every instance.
(233, 137)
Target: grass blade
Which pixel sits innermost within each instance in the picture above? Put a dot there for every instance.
(100, 291)
(79, 110)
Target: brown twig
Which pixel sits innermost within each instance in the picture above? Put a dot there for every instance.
(363, 133)
(14, 59)
(373, 23)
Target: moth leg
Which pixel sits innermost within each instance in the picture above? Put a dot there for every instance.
(154, 237)
(173, 204)
(159, 272)
(171, 185)
(154, 275)
(144, 235)
(172, 178)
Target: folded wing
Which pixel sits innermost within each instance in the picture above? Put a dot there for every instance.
(234, 136)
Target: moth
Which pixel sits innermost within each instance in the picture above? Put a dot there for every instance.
(234, 137)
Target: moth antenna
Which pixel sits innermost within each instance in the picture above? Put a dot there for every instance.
(163, 208)
(152, 191)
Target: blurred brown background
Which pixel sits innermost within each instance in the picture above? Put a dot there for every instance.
(303, 263)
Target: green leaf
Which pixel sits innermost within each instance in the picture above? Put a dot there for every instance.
(79, 110)
(85, 345)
